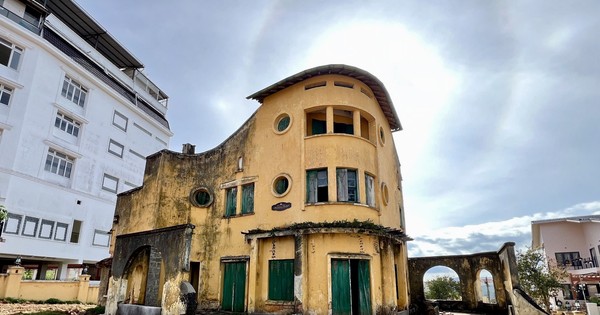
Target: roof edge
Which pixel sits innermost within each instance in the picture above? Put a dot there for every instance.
(379, 90)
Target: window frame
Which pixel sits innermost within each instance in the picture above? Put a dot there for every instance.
(14, 49)
(315, 187)
(6, 90)
(67, 121)
(342, 179)
(118, 145)
(109, 189)
(73, 233)
(370, 194)
(78, 92)
(116, 123)
(55, 155)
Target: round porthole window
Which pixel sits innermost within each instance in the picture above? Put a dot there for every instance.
(201, 197)
(282, 123)
(281, 185)
(381, 135)
(385, 195)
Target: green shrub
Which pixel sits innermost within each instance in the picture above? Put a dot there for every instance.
(13, 300)
(53, 301)
(95, 311)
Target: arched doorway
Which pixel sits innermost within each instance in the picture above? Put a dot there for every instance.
(442, 283)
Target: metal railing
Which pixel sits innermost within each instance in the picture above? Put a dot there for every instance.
(19, 20)
(580, 263)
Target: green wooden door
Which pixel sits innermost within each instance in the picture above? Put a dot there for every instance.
(364, 287)
(234, 287)
(340, 287)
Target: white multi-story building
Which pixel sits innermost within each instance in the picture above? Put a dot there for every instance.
(574, 243)
(77, 119)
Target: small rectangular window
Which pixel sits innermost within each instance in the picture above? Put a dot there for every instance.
(75, 231)
(12, 225)
(142, 129)
(346, 185)
(343, 84)
(370, 190)
(141, 156)
(110, 183)
(59, 163)
(231, 199)
(248, 198)
(281, 280)
(46, 229)
(5, 94)
(315, 85)
(120, 121)
(316, 186)
(10, 54)
(30, 226)
(115, 148)
(67, 124)
(73, 91)
(61, 231)
(101, 238)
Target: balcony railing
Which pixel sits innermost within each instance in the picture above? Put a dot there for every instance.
(580, 263)
(19, 20)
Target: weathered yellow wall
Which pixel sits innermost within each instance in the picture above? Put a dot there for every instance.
(11, 285)
(170, 177)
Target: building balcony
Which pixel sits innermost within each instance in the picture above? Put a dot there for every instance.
(582, 266)
(19, 20)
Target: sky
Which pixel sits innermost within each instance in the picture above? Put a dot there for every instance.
(498, 99)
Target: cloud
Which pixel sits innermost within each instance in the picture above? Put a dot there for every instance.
(488, 236)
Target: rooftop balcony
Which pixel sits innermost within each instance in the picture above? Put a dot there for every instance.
(21, 20)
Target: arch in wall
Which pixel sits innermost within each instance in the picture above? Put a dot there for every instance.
(484, 287)
(442, 283)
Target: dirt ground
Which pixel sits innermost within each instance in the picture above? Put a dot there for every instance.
(16, 308)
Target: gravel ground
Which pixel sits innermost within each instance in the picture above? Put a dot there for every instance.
(16, 308)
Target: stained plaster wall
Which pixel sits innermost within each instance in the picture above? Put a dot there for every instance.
(171, 177)
(166, 247)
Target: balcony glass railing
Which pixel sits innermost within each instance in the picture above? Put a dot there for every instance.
(581, 263)
(19, 20)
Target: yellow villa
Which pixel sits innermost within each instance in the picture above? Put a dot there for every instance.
(299, 211)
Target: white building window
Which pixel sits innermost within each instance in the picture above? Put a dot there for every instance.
(10, 54)
(115, 148)
(73, 91)
(59, 163)
(61, 231)
(67, 124)
(5, 94)
(120, 121)
(101, 238)
(30, 227)
(46, 229)
(12, 225)
(110, 183)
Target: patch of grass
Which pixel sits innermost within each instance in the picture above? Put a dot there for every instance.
(13, 300)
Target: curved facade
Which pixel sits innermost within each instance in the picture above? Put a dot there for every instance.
(300, 210)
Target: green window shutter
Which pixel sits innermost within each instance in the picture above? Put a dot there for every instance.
(231, 202)
(311, 186)
(248, 198)
(281, 280)
(318, 127)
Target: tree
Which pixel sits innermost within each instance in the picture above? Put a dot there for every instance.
(538, 276)
(443, 288)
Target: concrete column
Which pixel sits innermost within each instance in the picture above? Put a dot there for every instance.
(329, 115)
(356, 122)
(62, 271)
(153, 279)
(13, 285)
(388, 274)
(41, 274)
(252, 275)
(300, 282)
(402, 276)
(84, 285)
